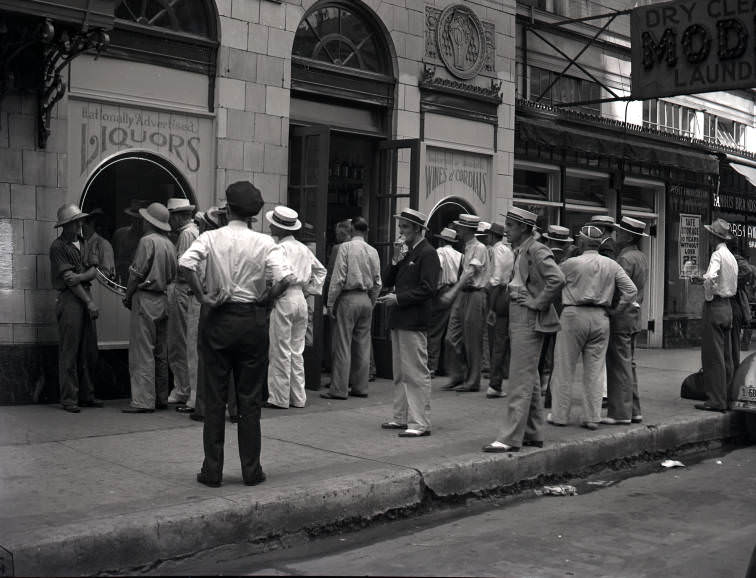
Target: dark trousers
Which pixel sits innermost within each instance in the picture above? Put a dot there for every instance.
(500, 352)
(77, 349)
(546, 364)
(437, 333)
(233, 340)
(716, 351)
(623, 401)
(737, 326)
(199, 404)
(464, 337)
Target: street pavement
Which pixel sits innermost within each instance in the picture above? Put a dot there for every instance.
(102, 490)
(687, 522)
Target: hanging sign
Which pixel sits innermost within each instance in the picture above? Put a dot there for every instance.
(692, 46)
(690, 244)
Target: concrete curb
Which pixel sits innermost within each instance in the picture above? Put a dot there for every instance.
(144, 537)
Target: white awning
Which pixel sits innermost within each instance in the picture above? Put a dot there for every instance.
(747, 171)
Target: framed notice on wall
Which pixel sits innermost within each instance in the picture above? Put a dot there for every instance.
(689, 241)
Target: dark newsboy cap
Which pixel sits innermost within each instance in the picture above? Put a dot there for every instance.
(244, 197)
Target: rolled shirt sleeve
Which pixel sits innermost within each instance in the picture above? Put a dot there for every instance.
(195, 254)
(317, 278)
(276, 266)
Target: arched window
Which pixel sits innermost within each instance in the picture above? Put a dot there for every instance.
(341, 50)
(179, 34)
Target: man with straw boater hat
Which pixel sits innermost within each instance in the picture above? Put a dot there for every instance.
(75, 311)
(183, 308)
(233, 335)
(623, 402)
(414, 276)
(606, 224)
(588, 297)
(464, 335)
(288, 320)
(449, 259)
(151, 272)
(535, 285)
(502, 261)
(720, 283)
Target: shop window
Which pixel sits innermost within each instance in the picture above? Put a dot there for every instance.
(639, 199)
(566, 89)
(531, 185)
(538, 191)
(723, 131)
(668, 117)
(586, 191)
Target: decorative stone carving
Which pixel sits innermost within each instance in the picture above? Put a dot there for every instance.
(457, 38)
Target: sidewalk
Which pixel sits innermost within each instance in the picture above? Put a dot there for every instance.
(103, 490)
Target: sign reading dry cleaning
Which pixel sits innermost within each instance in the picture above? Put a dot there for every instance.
(693, 46)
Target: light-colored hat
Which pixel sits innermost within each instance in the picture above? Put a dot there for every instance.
(522, 216)
(447, 234)
(178, 204)
(284, 218)
(157, 215)
(413, 216)
(483, 228)
(720, 228)
(633, 226)
(602, 221)
(467, 221)
(68, 214)
(558, 233)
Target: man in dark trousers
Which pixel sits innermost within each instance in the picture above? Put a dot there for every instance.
(502, 261)
(535, 285)
(75, 311)
(415, 280)
(234, 331)
(720, 285)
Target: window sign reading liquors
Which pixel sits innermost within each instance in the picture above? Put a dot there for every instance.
(690, 244)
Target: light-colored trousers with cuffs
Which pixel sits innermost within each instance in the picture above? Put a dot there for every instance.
(288, 329)
(412, 381)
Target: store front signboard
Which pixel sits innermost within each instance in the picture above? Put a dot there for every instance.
(689, 241)
(692, 46)
(451, 173)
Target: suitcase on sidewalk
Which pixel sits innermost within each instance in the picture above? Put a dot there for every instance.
(693, 387)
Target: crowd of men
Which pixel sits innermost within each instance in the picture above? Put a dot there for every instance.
(229, 311)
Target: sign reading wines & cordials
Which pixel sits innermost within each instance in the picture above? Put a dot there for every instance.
(690, 244)
(693, 46)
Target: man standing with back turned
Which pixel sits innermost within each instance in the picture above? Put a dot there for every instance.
(234, 333)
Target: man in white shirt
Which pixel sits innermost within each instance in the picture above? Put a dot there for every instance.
(498, 310)
(720, 284)
(288, 320)
(450, 260)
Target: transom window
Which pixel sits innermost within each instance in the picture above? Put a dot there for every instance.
(178, 15)
(335, 34)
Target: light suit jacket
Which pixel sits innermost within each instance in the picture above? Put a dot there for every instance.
(544, 280)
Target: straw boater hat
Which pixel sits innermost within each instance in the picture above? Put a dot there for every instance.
(447, 234)
(558, 234)
(68, 214)
(483, 228)
(720, 228)
(176, 205)
(522, 216)
(136, 204)
(157, 215)
(633, 226)
(602, 221)
(284, 218)
(413, 216)
(467, 221)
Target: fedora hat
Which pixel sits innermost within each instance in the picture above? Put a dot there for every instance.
(175, 205)
(136, 204)
(447, 234)
(68, 214)
(559, 234)
(497, 229)
(467, 221)
(157, 215)
(522, 216)
(602, 221)
(284, 218)
(245, 197)
(720, 228)
(413, 216)
(633, 226)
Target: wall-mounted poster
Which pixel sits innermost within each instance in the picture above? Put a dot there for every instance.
(690, 245)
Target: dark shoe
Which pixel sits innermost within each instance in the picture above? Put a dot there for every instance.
(604, 403)
(532, 443)
(273, 406)
(185, 409)
(197, 417)
(71, 408)
(637, 419)
(137, 410)
(707, 407)
(414, 433)
(357, 394)
(161, 406)
(329, 396)
(451, 384)
(233, 418)
(393, 425)
(203, 478)
(257, 480)
(500, 448)
(466, 389)
(92, 403)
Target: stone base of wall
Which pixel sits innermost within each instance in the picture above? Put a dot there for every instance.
(29, 374)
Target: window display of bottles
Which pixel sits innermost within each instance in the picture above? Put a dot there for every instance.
(347, 169)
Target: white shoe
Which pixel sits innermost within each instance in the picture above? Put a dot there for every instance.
(491, 393)
(174, 398)
(612, 421)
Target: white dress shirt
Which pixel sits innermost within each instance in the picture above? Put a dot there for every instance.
(239, 261)
(450, 259)
(503, 262)
(721, 278)
(309, 273)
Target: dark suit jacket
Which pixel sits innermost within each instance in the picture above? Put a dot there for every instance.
(415, 281)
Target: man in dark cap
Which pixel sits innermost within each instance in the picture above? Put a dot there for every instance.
(234, 331)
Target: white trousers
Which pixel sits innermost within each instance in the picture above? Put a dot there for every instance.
(412, 381)
(183, 323)
(288, 326)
